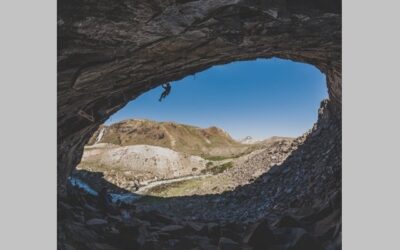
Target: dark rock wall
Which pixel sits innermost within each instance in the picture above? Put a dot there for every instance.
(110, 52)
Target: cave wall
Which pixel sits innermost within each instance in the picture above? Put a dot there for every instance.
(110, 52)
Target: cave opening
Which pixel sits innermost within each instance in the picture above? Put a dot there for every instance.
(218, 130)
(112, 52)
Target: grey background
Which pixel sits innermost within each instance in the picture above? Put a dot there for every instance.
(28, 95)
(371, 122)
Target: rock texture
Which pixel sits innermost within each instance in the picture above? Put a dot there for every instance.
(110, 52)
(301, 209)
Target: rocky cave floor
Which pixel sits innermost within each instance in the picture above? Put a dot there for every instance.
(295, 205)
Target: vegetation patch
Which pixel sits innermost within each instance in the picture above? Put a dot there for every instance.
(217, 169)
(179, 188)
(232, 156)
(216, 157)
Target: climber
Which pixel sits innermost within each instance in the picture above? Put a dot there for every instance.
(167, 89)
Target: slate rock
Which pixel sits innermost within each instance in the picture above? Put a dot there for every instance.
(96, 222)
(259, 236)
(227, 244)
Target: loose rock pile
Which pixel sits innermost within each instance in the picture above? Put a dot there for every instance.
(295, 205)
(82, 226)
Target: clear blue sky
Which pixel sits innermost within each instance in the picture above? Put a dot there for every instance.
(260, 98)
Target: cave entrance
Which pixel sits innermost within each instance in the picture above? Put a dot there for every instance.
(217, 130)
(112, 53)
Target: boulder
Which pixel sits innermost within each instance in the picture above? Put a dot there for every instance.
(151, 245)
(296, 239)
(80, 233)
(327, 227)
(213, 229)
(172, 229)
(102, 246)
(259, 236)
(198, 227)
(227, 244)
(96, 222)
(287, 221)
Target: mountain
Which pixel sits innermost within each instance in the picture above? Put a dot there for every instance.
(209, 142)
(133, 153)
(248, 140)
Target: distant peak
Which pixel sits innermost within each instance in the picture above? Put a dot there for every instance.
(248, 140)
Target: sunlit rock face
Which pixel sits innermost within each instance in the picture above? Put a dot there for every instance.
(110, 52)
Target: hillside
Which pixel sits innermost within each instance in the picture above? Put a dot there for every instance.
(133, 153)
(238, 172)
(213, 142)
(132, 166)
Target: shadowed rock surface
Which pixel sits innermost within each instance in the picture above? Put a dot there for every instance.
(110, 52)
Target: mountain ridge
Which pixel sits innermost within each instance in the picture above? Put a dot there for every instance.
(205, 142)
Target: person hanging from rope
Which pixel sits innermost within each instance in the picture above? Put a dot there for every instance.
(167, 89)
